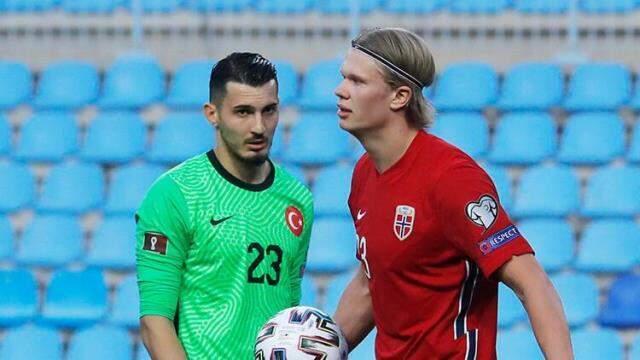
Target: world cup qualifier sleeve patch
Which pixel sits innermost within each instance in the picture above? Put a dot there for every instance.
(155, 242)
(498, 239)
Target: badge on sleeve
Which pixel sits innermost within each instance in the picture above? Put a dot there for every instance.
(483, 212)
(155, 242)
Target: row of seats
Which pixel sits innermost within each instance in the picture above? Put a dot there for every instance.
(99, 342)
(543, 191)
(103, 342)
(136, 81)
(79, 298)
(520, 138)
(58, 240)
(324, 6)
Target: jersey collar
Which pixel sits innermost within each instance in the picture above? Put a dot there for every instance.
(237, 182)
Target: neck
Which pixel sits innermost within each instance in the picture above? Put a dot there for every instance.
(243, 170)
(386, 145)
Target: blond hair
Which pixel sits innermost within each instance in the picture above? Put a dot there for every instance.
(409, 52)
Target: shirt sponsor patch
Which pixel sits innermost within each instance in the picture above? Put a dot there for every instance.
(498, 239)
(155, 242)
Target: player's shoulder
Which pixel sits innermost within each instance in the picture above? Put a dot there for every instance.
(291, 184)
(446, 160)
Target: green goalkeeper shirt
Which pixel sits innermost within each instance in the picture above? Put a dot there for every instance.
(221, 255)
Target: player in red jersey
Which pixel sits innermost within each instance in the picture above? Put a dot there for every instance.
(433, 239)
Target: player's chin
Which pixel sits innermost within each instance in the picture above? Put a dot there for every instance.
(257, 157)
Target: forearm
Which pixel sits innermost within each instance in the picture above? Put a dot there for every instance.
(547, 318)
(355, 312)
(160, 338)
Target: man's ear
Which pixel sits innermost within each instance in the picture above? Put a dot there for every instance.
(210, 111)
(402, 96)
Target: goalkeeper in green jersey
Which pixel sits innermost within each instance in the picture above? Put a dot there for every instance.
(222, 238)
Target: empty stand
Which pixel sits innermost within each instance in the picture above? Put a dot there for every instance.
(15, 84)
(547, 191)
(17, 187)
(67, 85)
(114, 138)
(113, 244)
(466, 86)
(332, 247)
(72, 188)
(609, 246)
(19, 300)
(467, 130)
(331, 191)
(524, 139)
(622, 307)
(592, 139)
(552, 240)
(48, 137)
(51, 241)
(180, 136)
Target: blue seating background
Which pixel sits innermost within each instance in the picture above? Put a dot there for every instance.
(566, 167)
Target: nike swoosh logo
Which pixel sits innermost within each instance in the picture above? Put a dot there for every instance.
(215, 222)
(360, 215)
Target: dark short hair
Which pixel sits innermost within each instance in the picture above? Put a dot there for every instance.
(241, 67)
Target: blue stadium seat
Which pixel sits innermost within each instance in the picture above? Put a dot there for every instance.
(635, 349)
(320, 81)
(635, 101)
(334, 291)
(287, 83)
(75, 299)
(503, 184)
(592, 139)
(133, 82)
(72, 188)
(332, 247)
(19, 300)
(156, 6)
(609, 246)
(542, 6)
(297, 173)
(316, 139)
(126, 304)
(466, 86)
(7, 242)
(598, 86)
(100, 342)
(50, 241)
(67, 85)
(622, 306)
(518, 344)
(597, 344)
(607, 6)
(114, 138)
(309, 292)
(89, 7)
(532, 86)
(510, 309)
(553, 241)
(344, 7)
(190, 85)
(29, 5)
(467, 130)
(478, 6)
(612, 191)
(278, 144)
(15, 84)
(48, 137)
(180, 136)
(5, 135)
(42, 344)
(524, 139)
(129, 184)
(634, 149)
(366, 349)
(17, 187)
(141, 352)
(579, 294)
(284, 6)
(358, 151)
(113, 244)
(547, 191)
(414, 7)
(218, 5)
(331, 191)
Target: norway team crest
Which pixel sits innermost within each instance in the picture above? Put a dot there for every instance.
(403, 221)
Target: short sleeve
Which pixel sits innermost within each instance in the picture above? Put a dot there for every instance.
(469, 211)
(162, 242)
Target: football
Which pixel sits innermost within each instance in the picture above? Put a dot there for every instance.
(301, 332)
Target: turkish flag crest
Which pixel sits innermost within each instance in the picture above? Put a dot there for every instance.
(403, 222)
(294, 219)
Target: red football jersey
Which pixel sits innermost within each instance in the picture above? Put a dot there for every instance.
(431, 232)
